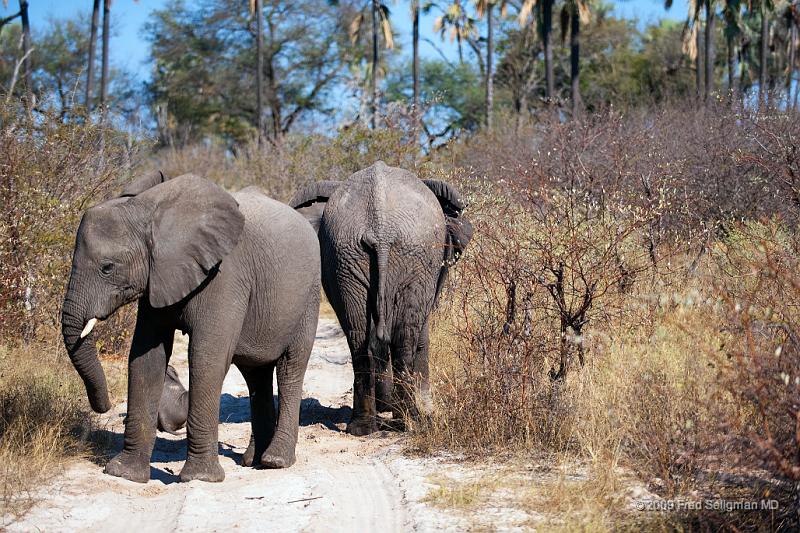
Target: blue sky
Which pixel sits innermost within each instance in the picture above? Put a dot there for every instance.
(130, 51)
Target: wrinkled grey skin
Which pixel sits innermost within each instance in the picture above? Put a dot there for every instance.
(173, 408)
(238, 273)
(387, 240)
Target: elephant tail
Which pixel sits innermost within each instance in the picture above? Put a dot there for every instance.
(381, 255)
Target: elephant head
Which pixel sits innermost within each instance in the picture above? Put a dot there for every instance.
(160, 240)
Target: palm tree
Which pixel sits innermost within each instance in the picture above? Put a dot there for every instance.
(791, 16)
(709, 49)
(546, 15)
(484, 9)
(257, 11)
(732, 13)
(379, 13)
(574, 12)
(456, 22)
(106, 36)
(764, 7)
(26, 49)
(92, 53)
(415, 52)
(692, 42)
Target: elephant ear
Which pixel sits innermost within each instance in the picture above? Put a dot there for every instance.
(310, 201)
(459, 229)
(195, 224)
(139, 185)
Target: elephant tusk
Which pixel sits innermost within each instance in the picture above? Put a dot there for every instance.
(88, 328)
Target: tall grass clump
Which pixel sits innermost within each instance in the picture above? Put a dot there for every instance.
(44, 422)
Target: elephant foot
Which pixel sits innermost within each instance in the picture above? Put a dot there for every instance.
(362, 426)
(249, 454)
(203, 469)
(250, 457)
(130, 467)
(278, 455)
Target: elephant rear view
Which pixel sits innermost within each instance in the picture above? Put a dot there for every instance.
(386, 241)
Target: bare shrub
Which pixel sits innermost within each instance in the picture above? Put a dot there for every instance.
(630, 241)
(761, 368)
(50, 172)
(280, 169)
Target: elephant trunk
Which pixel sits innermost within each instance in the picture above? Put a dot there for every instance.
(81, 349)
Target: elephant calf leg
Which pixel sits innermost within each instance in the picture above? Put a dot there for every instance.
(262, 412)
(291, 369)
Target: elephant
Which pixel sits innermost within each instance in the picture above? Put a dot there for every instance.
(173, 408)
(387, 240)
(239, 273)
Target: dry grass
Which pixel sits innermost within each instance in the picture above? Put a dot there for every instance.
(44, 422)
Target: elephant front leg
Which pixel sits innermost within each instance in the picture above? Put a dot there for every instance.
(364, 419)
(146, 368)
(209, 359)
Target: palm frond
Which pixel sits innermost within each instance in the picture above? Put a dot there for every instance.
(525, 11)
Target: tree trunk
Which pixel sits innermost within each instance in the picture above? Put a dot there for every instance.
(731, 69)
(374, 99)
(259, 14)
(415, 56)
(762, 71)
(547, 29)
(26, 49)
(106, 37)
(92, 55)
(574, 59)
(790, 70)
(709, 50)
(744, 73)
(489, 65)
(699, 62)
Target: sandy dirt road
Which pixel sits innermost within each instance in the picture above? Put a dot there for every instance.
(339, 483)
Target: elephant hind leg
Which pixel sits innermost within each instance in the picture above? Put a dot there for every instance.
(291, 369)
(364, 420)
(262, 412)
(383, 378)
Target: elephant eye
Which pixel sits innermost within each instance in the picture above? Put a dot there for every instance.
(107, 268)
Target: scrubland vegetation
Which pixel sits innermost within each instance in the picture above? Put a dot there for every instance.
(629, 301)
(656, 255)
(629, 305)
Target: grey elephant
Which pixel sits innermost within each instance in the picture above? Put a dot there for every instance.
(387, 240)
(239, 273)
